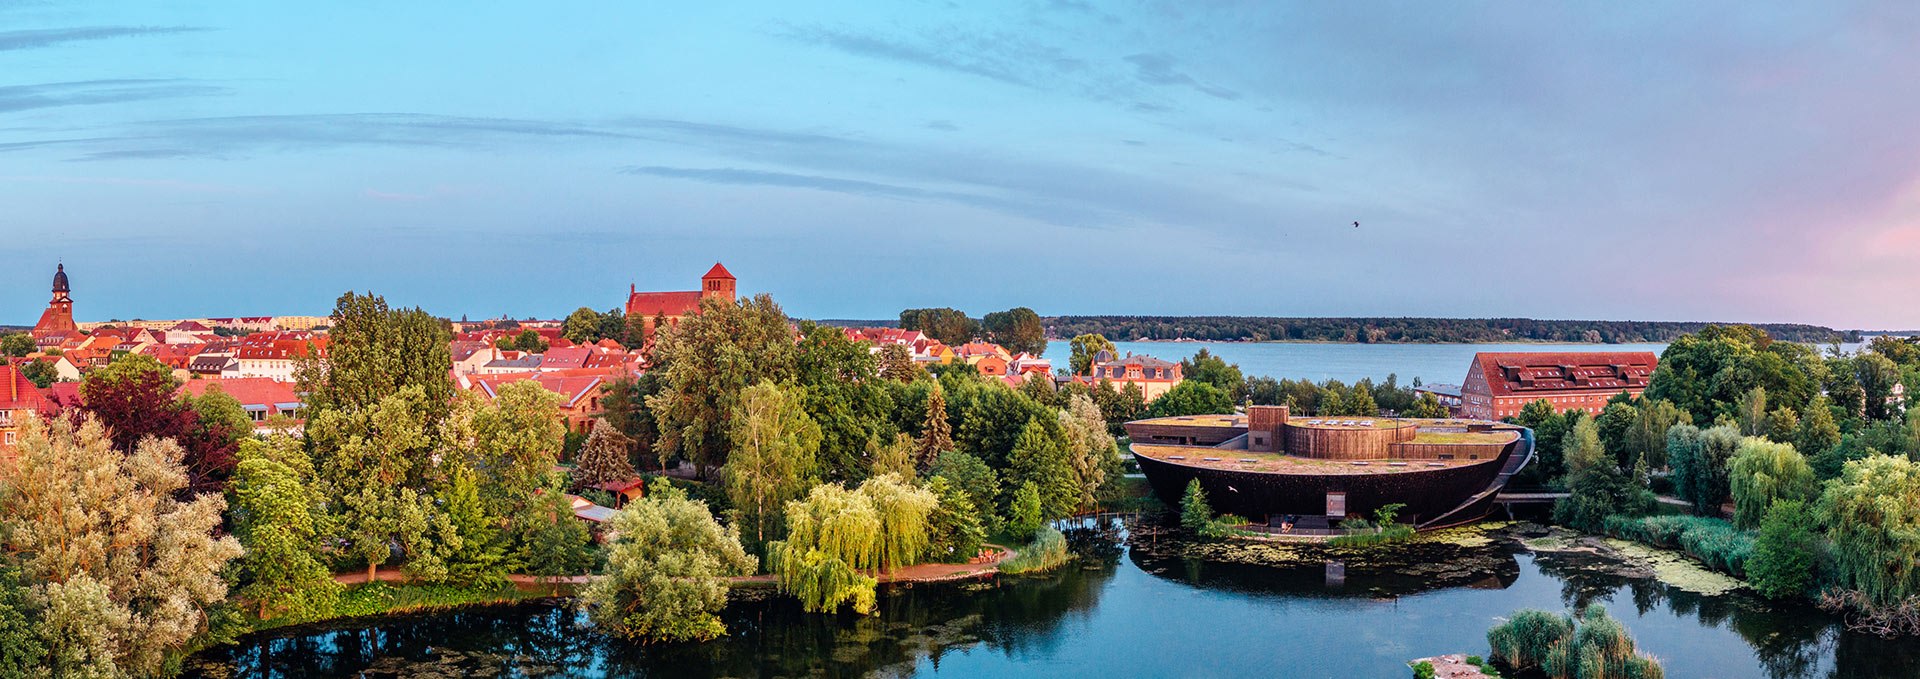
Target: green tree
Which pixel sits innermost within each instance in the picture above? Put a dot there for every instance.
(1092, 452)
(1763, 472)
(582, 326)
(1211, 369)
(613, 326)
(1024, 517)
(372, 465)
(17, 344)
(1783, 425)
(1427, 406)
(603, 459)
(896, 363)
(1018, 330)
(950, 326)
(844, 397)
(666, 574)
(1786, 554)
(515, 442)
(1040, 459)
(22, 654)
(125, 566)
(1598, 486)
(957, 526)
(834, 534)
(1872, 517)
(373, 352)
(279, 519)
(775, 447)
(705, 362)
(40, 372)
(1191, 397)
(1699, 459)
(551, 542)
(1616, 423)
(625, 407)
(1817, 433)
(530, 342)
(971, 476)
(1195, 513)
(1360, 402)
(936, 436)
(1751, 412)
(893, 458)
(1085, 348)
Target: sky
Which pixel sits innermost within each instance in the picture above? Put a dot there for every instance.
(1731, 161)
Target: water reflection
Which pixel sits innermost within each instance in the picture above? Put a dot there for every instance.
(1118, 611)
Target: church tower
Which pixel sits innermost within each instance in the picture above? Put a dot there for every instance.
(58, 318)
(717, 283)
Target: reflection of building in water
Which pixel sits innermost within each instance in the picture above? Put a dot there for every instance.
(1318, 471)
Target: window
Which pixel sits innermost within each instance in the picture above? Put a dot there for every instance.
(9, 438)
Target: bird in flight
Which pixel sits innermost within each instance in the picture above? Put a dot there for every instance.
(1356, 225)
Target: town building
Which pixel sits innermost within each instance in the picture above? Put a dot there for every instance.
(19, 400)
(1306, 475)
(1153, 376)
(652, 307)
(262, 398)
(1499, 384)
(278, 354)
(56, 323)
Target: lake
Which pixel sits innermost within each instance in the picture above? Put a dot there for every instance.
(1125, 608)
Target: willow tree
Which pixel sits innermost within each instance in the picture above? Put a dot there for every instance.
(834, 533)
(667, 572)
(125, 566)
(775, 445)
(1872, 516)
(894, 458)
(903, 509)
(1763, 472)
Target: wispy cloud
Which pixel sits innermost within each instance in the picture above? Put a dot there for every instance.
(1158, 69)
(51, 37)
(1006, 58)
(89, 92)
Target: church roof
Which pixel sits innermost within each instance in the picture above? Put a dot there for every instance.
(718, 272)
(60, 278)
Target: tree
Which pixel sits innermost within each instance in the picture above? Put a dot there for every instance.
(581, 327)
(1427, 406)
(950, 326)
(1872, 517)
(16, 344)
(1192, 397)
(1038, 458)
(896, 363)
(1786, 552)
(1763, 472)
(844, 398)
(1699, 460)
(1549, 427)
(1751, 412)
(1211, 369)
(22, 653)
(515, 441)
(1360, 402)
(1091, 451)
(895, 458)
(279, 519)
(136, 398)
(1018, 330)
(373, 352)
(371, 464)
(705, 362)
(1085, 348)
(1023, 512)
(551, 541)
(936, 437)
(1817, 433)
(613, 326)
(603, 459)
(775, 447)
(904, 510)
(1615, 423)
(625, 408)
(835, 533)
(666, 574)
(467, 545)
(1598, 486)
(1195, 513)
(41, 373)
(126, 567)
(957, 527)
(969, 475)
(1876, 376)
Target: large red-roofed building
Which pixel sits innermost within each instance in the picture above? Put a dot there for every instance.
(1498, 385)
(650, 306)
(19, 400)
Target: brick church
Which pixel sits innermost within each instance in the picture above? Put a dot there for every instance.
(653, 307)
(57, 321)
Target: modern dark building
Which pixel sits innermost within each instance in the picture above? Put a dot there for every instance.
(1265, 465)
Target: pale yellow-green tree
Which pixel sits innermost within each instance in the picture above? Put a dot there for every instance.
(893, 458)
(1762, 472)
(603, 458)
(936, 435)
(775, 450)
(126, 568)
(667, 572)
(836, 533)
(1090, 448)
(903, 508)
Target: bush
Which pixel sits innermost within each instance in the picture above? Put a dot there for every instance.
(1784, 556)
(1591, 647)
(1195, 513)
(1423, 670)
(1369, 537)
(1715, 542)
(1048, 550)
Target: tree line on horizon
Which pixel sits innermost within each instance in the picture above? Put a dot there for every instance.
(1409, 330)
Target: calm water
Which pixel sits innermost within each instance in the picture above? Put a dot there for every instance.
(1118, 612)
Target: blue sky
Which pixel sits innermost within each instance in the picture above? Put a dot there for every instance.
(1701, 160)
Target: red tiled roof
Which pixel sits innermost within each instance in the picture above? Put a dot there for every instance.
(18, 393)
(570, 387)
(568, 357)
(247, 390)
(1535, 372)
(650, 304)
(717, 272)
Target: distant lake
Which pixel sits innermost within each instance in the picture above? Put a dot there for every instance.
(1432, 363)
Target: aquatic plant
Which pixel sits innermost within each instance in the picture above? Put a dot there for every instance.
(1592, 646)
(1048, 550)
(1715, 542)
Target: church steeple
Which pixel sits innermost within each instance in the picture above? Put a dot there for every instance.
(58, 318)
(60, 279)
